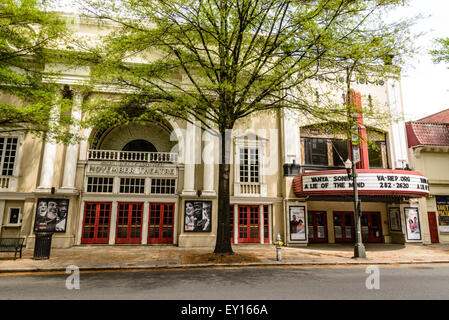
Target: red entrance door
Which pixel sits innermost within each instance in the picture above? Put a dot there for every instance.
(344, 226)
(161, 221)
(371, 227)
(433, 227)
(249, 224)
(129, 222)
(97, 216)
(317, 226)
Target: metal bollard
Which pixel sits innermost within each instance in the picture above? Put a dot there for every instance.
(279, 244)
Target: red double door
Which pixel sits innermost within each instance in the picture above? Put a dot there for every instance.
(317, 225)
(344, 227)
(97, 216)
(249, 223)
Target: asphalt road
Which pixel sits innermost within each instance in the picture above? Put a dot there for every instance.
(395, 282)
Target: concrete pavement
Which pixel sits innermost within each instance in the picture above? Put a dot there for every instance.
(90, 257)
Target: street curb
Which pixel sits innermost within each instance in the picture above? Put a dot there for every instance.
(211, 266)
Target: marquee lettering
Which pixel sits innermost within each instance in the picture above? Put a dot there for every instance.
(366, 181)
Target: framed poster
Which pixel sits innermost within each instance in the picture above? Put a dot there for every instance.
(198, 216)
(51, 215)
(412, 224)
(297, 219)
(443, 213)
(394, 214)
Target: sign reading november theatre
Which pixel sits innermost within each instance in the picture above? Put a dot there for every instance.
(131, 168)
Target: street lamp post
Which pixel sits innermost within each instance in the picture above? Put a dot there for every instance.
(359, 248)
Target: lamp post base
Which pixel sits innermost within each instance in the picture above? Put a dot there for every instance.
(359, 251)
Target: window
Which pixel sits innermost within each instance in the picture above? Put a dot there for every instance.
(99, 184)
(249, 165)
(340, 147)
(14, 216)
(132, 185)
(375, 155)
(8, 153)
(163, 186)
(316, 151)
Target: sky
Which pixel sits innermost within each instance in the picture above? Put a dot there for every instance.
(425, 85)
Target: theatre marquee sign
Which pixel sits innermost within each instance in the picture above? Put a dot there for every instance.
(369, 182)
(131, 169)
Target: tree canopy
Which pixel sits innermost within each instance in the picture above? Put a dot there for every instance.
(28, 36)
(218, 61)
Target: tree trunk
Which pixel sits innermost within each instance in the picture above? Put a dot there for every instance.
(223, 244)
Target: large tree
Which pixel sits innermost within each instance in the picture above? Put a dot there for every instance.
(218, 61)
(29, 36)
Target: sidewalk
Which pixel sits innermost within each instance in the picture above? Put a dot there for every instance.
(154, 257)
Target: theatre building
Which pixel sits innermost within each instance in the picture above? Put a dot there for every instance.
(149, 183)
(319, 192)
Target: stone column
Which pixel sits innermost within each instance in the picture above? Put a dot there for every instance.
(71, 156)
(236, 223)
(189, 160)
(210, 149)
(113, 224)
(270, 224)
(80, 223)
(49, 157)
(2, 213)
(145, 220)
(397, 136)
(292, 151)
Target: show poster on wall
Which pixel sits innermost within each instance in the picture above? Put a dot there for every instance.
(394, 214)
(51, 215)
(297, 220)
(412, 224)
(443, 213)
(198, 216)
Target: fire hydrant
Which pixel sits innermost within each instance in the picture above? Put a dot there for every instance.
(279, 244)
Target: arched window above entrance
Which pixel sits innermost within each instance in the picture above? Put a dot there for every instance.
(139, 145)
